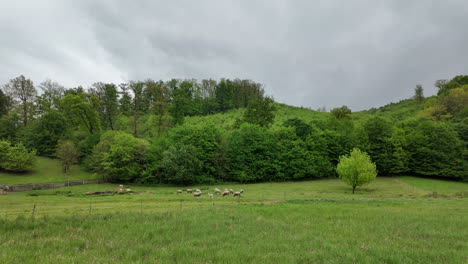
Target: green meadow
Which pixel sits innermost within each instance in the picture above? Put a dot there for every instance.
(391, 220)
(46, 170)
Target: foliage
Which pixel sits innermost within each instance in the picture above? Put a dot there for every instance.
(260, 112)
(119, 156)
(23, 90)
(15, 157)
(341, 112)
(301, 128)
(356, 169)
(418, 93)
(68, 154)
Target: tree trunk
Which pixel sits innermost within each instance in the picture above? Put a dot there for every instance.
(354, 188)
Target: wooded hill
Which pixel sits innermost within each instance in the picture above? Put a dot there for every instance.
(188, 131)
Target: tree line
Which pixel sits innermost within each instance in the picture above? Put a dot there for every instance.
(136, 132)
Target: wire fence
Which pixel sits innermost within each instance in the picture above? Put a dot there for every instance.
(47, 209)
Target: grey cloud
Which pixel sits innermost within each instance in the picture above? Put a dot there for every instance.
(311, 53)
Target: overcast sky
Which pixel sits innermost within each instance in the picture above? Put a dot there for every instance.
(307, 53)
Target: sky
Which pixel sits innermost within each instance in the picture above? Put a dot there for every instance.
(328, 53)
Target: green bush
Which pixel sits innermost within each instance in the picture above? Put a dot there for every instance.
(15, 157)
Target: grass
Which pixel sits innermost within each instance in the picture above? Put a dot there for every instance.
(387, 221)
(46, 170)
(436, 185)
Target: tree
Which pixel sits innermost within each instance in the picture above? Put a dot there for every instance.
(180, 165)
(23, 89)
(301, 128)
(356, 169)
(15, 157)
(107, 103)
(341, 112)
(119, 156)
(5, 103)
(418, 93)
(67, 154)
(80, 111)
(52, 93)
(260, 112)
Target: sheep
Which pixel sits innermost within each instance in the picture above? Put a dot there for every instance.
(237, 194)
(198, 190)
(120, 188)
(226, 193)
(128, 190)
(217, 191)
(189, 190)
(210, 195)
(231, 190)
(179, 191)
(197, 194)
(241, 191)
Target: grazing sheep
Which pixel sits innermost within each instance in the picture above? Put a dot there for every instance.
(226, 193)
(237, 194)
(197, 194)
(231, 190)
(198, 190)
(210, 195)
(120, 188)
(217, 191)
(241, 191)
(179, 191)
(189, 191)
(128, 190)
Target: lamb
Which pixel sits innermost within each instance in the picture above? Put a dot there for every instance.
(197, 194)
(179, 191)
(226, 193)
(189, 190)
(237, 194)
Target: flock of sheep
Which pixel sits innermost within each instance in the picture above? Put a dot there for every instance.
(226, 192)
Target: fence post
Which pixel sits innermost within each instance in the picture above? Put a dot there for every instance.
(212, 199)
(33, 211)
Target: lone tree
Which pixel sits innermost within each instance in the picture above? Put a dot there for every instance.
(418, 93)
(356, 169)
(341, 112)
(260, 112)
(68, 154)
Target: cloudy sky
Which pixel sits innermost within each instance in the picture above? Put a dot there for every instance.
(307, 53)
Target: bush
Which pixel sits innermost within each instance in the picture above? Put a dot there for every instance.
(15, 158)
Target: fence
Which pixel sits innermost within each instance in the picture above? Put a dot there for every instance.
(29, 187)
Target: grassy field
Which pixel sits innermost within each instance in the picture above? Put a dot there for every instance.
(45, 171)
(388, 221)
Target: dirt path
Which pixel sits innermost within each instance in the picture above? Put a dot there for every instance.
(409, 185)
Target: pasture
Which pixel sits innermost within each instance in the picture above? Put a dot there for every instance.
(45, 170)
(388, 221)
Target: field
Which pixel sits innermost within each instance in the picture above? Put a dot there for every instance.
(392, 220)
(45, 171)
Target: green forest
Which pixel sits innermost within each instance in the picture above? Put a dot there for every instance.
(210, 131)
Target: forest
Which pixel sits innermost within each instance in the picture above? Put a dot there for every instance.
(209, 131)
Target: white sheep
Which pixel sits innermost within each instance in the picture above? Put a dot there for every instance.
(231, 190)
(210, 195)
(217, 191)
(198, 190)
(197, 194)
(189, 190)
(179, 191)
(241, 191)
(237, 194)
(128, 190)
(226, 193)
